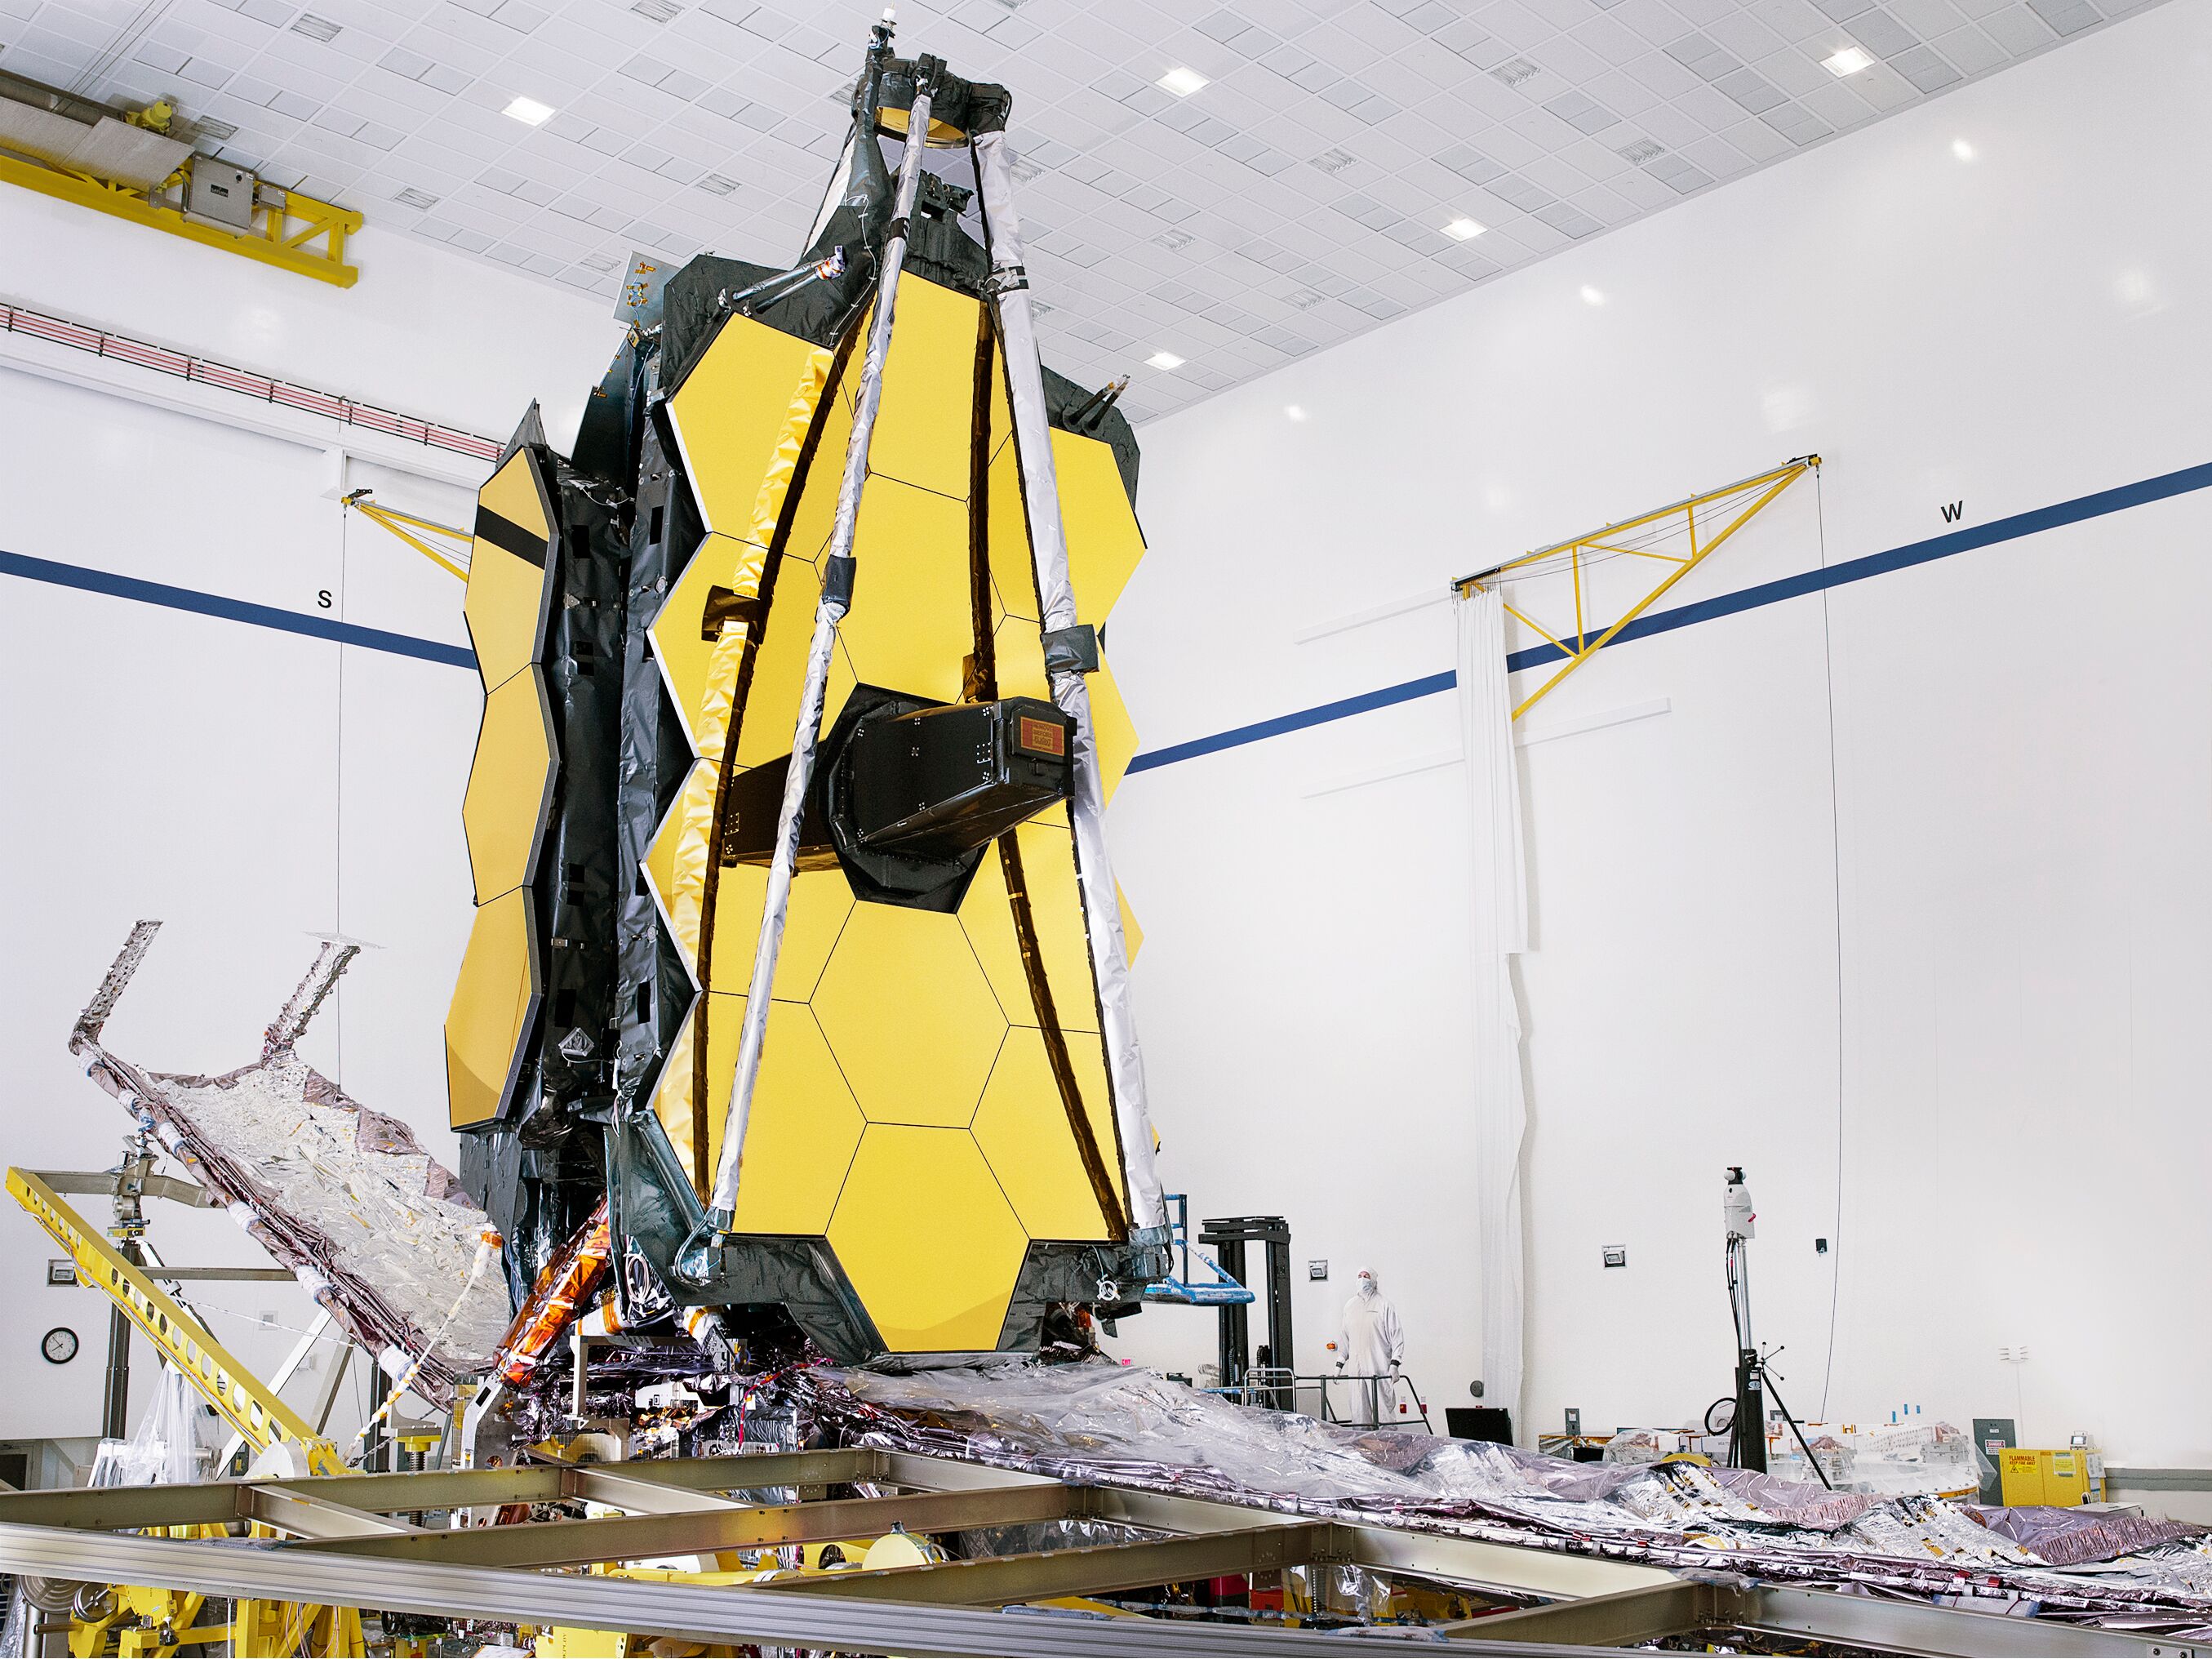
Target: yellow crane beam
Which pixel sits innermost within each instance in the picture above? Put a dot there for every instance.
(291, 231)
(1694, 529)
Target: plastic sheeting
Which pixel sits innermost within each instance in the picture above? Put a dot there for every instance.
(1100, 1424)
(377, 1230)
(1499, 931)
(165, 1449)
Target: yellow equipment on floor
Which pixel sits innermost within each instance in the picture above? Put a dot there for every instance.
(2066, 1478)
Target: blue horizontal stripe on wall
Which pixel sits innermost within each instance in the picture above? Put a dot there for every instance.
(1427, 686)
(2095, 506)
(214, 604)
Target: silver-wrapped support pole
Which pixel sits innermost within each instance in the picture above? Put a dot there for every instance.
(1101, 910)
(836, 599)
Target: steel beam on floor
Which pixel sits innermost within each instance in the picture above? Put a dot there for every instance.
(685, 1613)
(636, 1537)
(684, 1507)
(1085, 1569)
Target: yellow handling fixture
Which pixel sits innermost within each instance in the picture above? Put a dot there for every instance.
(1680, 538)
(250, 1407)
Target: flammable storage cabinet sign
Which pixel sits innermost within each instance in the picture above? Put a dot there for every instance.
(796, 941)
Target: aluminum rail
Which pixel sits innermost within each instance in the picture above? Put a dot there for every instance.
(836, 598)
(1086, 806)
(685, 1613)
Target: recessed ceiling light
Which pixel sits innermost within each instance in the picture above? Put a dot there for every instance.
(1464, 229)
(1592, 296)
(1164, 360)
(1181, 82)
(529, 111)
(1294, 412)
(1849, 61)
(1962, 150)
(315, 27)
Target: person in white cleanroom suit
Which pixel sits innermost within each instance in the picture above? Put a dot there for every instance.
(1371, 1347)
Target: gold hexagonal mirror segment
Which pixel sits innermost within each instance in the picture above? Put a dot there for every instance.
(510, 591)
(676, 870)
(925, 427)
(1104, 542)
(911, 626)
(509, 797)
(986, 914)
(1021, 1126)
(927, 1239)
(805, 1125)
(700, 633)
(770, 713)
(494, 1005)
(910, 1015)
(743, 418)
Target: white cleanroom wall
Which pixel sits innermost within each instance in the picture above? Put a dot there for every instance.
(250, 786)
(1895, 895)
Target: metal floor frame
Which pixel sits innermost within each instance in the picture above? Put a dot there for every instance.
(349, 1533)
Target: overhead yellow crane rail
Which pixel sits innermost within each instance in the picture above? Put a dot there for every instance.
(251, 1408)
(453, 560)
(1681, 536)
(291, 231)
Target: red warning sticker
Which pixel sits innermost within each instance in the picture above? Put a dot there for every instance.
(1041, 737)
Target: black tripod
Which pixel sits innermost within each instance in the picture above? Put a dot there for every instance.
(1754, 1381)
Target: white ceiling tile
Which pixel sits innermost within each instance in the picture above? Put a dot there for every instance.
(1655, 20)
(1836, 104)
(2017, 29)
(1970, 50)
(1294, 201)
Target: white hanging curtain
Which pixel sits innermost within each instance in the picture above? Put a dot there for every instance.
(1499, 931)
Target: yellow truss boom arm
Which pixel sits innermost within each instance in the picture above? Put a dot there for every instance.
(253, 1410)
(1732, 507)
(453, 560)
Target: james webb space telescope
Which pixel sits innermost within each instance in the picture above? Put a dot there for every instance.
(799, 963)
